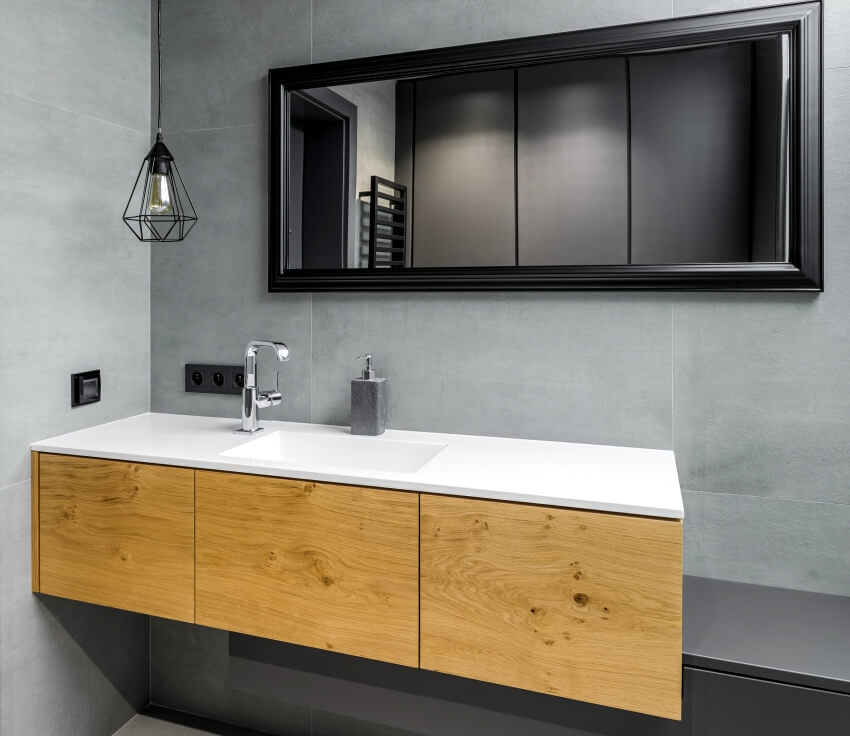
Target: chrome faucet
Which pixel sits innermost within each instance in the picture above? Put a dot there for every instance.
(252, 399)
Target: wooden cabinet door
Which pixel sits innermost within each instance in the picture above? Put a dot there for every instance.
(322, 565)
(584, 605)
(117, 534)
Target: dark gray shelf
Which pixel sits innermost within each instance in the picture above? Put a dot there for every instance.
(788, 636)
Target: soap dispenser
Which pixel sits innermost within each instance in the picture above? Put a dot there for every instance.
(368, 401)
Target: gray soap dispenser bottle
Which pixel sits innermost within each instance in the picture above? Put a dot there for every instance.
(368, 401)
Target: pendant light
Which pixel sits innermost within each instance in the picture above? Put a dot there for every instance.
(159, 208)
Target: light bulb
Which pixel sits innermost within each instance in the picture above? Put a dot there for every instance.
(159, 202)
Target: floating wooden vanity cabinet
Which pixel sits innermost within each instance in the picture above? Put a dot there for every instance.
(115, 533)
(581, 604)
(322, 565)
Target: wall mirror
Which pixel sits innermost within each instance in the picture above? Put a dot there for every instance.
(682, 154)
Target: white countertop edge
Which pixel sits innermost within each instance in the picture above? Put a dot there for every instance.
(346, 479)
(68, 444)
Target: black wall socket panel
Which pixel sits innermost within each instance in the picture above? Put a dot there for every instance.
(85, 388)
(205, 378)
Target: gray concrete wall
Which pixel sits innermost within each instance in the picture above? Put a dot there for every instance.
(750, 390)
(74, 295)
(375, 129)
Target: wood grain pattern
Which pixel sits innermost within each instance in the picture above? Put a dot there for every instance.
(322, 565)
(580, 604)
(34, 524)
(118, 534)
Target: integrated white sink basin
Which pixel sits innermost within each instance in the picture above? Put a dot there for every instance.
(375, 454)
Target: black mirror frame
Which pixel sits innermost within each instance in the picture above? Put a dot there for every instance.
(804, 271)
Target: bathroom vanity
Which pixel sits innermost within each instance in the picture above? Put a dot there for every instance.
(546, 566)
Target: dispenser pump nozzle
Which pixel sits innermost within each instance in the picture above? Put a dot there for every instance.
(368, 373)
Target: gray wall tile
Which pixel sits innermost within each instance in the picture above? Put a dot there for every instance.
(760, 402)
(760, 397)
(216, 55)
(578, 367)
(189, 673)
(67, 668)
(836, 25)
(89, 56)
(208, 294)
(787, 544)
(343, 30)
(77, 296)
(74, 294)
(836, 173)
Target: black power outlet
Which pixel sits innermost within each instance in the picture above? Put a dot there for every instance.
(236, 379)
(205, 378)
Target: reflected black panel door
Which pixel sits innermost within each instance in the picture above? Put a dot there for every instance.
(463, 204)
(572, 163)
(690, 149)
(318, 184)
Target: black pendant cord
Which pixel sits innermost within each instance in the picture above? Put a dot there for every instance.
(159, 68)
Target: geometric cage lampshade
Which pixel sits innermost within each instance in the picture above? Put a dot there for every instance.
(159, 208)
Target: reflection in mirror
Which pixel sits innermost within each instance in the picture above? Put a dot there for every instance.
(666, 157)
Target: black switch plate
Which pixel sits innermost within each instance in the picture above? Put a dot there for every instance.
(85, 388)
(203, 378)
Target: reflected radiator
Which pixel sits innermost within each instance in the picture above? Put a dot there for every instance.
(383, 224)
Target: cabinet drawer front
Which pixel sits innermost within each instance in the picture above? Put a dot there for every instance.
(117, 534)
(580, 604)
(322, 565)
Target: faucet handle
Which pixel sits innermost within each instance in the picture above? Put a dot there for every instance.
(268, 399)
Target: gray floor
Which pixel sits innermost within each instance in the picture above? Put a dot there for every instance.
(144, 726)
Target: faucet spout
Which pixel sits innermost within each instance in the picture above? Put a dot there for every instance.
(281, 351)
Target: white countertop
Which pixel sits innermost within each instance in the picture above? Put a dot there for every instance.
(597, 477)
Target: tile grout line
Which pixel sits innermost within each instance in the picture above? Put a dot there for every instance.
(778, 499)
(73, 112)
(27, 480)
(211, 130)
